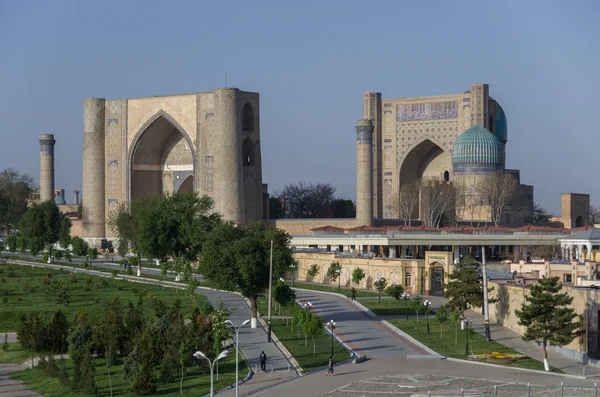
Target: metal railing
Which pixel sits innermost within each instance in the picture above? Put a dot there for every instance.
(519, 390)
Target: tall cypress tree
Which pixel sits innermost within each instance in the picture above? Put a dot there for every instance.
(548, 317)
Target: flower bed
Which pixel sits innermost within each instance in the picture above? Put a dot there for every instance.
(498, 357)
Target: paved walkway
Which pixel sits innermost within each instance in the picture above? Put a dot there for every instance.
(355, 328)
(12, 387)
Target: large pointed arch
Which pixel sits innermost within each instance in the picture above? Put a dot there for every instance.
(160, 147)
(426, 159)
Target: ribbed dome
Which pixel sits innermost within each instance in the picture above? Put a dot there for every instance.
(501, 124)
(59, 200)
(477, 150)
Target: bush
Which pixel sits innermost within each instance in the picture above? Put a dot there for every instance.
(114, 273)
(92, 252)
(47, 279)
(104, 283)
(2, 280)
(73, 278)
(5, 296)
(129, 271)
(58, 255)
(51, 369)
(45, 257)
(80, 247)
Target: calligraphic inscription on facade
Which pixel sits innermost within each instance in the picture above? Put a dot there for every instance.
(427, 111)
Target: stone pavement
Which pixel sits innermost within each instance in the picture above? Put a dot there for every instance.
(466, 374)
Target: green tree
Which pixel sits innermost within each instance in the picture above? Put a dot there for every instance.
(43, 224)
(334, 272)
(236, 258)
(343, 208)
(15, 191)
(380, 285)
(442, 316)
(395, 291)
(284, 295)
(87, 382)
(136, 228)
(64, 232)
(11, 243)
(58, 333)
(313, 271)
(465, 288)
(548, 317)
(358, 275)
(80, 247)
(313, 327)
(417, 305)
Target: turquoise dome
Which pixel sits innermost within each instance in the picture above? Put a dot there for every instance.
(501, 124)
(477, 150)
(59, 200)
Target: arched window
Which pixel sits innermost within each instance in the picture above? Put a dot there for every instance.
(248, 118)
(446, 176)
(407, 279)
(248, 152)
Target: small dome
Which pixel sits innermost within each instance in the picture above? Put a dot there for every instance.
(59, 200)
(477, 150)
(501, 124)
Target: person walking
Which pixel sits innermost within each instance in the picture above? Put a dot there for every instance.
(263, 361)
(353, 293)
(330, 367)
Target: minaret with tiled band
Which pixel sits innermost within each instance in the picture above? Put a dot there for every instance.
(364, 172)
(47, 167)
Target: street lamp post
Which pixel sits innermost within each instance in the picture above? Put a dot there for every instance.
(237, 353)
(293, 267)
(405, 296)
(331, 325)
(339, 273)
(211, 364)
(270, 288)
(427, 305)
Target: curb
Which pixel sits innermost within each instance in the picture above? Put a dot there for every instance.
(534, 371)
(246, 379)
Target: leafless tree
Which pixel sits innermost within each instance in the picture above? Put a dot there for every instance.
(594, 214)
(546, 252)
(406, 202)
(469, 204)
(437, 201)
(498, 191)
(307, 200)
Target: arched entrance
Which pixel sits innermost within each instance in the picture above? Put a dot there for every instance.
(161, 160)
(436, 279)
(579, 221)
(425, 161)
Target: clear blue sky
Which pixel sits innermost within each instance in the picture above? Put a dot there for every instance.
(310, 61)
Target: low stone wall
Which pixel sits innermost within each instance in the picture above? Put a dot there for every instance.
(512, 297)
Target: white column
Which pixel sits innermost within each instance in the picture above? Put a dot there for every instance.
(456, 254)
(403, 251)
(516, 253)
(589, 251)
(392, 251)
(579, 252)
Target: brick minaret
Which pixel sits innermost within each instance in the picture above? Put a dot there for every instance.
(364, 172)
(47, 167)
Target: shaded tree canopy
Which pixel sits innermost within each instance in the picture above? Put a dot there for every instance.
(15, 191)
(43, 224)
(236, 258)
(465, 288)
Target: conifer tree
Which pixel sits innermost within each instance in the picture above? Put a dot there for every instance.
(548, 317)
(465, 289)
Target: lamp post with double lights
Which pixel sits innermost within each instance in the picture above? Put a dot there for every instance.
(331, 326)
(405, 296)
(427, 304)
(237, 353)
(293, 267)
(211, 364)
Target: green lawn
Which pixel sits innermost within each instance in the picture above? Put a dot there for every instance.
(26, 293)
(15, 354)
(196, 381)
(332, 288)
(389, 307)
(304, 354)
(446, 346)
